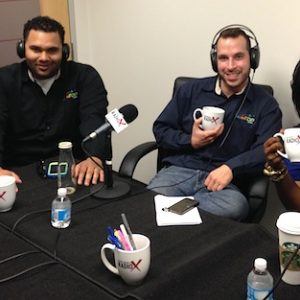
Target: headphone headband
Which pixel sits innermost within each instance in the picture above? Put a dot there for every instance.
(254, 51)
(240, 26)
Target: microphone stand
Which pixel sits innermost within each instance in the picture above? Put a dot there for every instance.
(112, 188)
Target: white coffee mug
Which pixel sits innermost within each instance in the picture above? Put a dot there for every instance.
(291, 139)
(288, 225)
(212, 116)
(8, 191)
(132, 266)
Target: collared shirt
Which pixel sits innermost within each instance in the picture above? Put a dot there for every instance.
(32, 123)
(258, 119)
(45, 84)
(218, 90)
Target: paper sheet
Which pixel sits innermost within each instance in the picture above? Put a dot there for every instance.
(164, 218)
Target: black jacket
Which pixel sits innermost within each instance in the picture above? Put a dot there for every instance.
(32, 123)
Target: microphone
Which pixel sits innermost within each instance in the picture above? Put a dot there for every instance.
(116, 120)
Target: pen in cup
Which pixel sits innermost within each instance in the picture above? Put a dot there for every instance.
(128, 231)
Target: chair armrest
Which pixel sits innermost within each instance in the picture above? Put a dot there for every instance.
(255, 188)
(259, 187)
(132, 157)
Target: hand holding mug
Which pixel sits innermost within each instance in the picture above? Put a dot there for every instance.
(270, 149)
(291, 139)
(201, 138)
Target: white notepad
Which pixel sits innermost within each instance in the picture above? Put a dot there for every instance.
(164, 218)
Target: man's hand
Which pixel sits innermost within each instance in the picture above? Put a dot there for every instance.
(87, 172)
(219, 178)
(10, 173)
(201, 138)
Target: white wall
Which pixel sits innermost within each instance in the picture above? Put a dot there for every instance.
(140, 47)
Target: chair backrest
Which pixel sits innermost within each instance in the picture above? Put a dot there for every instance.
(179, 81)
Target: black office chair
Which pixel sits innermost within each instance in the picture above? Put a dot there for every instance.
(254, 186)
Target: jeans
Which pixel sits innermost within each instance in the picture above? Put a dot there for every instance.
(178, 181)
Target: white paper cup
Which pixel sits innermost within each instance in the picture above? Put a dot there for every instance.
(7, 192)
(132, 266)
(288, 225)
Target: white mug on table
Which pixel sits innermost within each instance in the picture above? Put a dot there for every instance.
(131, 265)
(8, 191)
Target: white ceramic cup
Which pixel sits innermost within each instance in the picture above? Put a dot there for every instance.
(291, 139)
(132, 266)
(288, 225)
(7, 192)
(212, 116)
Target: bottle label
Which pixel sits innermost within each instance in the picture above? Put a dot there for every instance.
(253, 294)
(61, 215)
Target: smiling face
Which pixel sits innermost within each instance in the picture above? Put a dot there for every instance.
(43, 53)
(233, 61)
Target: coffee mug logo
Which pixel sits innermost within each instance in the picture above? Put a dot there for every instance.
(131, 265)
(2, 195)
(292, 139)
(212, 120)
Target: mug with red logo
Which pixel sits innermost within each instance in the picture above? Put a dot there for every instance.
(291, 139)
(8, 191)
(212, 116)
(131, 265)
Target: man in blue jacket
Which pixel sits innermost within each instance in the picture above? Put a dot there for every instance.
(203, 163)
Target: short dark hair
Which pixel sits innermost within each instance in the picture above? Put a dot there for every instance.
(43, 23)
(235, 32)
(295, 85)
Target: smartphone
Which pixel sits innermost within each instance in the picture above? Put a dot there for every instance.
(183, 206)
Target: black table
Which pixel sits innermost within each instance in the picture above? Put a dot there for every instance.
(207, 261)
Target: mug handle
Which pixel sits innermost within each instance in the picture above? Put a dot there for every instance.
(107, 264)
(195, 112)
(278, 151)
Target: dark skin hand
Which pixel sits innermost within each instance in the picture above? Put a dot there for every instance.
(287, 188)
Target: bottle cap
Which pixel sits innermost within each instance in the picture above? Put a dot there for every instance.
(65, 145)
(62, 192)
(260, 264)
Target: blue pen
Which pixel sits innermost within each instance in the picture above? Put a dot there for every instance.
(114, 241)
(112, 238)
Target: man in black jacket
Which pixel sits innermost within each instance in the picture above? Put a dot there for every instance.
(46, 99)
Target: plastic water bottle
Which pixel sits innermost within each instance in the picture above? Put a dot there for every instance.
(260, 281)
(61, 209)
(66, 167)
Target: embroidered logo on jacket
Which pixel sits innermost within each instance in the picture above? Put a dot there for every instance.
(248, 118)
(71, 95)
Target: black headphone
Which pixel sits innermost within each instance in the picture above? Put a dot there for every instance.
(254, 51)
(21, 50)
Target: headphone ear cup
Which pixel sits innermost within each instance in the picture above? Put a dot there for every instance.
(20, 48)
(254, 57)
(65, 51)
(213, 59)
